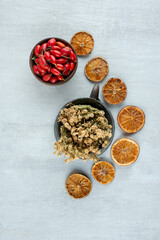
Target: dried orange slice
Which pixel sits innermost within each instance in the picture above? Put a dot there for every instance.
(114, 91)
(131, 119)
(125, 151)
(83, 43)
(103, 172)
(96, 69)
(78, 186)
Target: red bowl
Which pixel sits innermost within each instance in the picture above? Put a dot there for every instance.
(31, 62)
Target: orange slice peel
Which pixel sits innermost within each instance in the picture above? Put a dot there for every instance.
(125, 151)
(96, 69)
(78, 186)
(131, 119)
(83, 43)
(103, 172)
(114, 91)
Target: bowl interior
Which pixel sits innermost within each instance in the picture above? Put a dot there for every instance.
(94, 103)
(31, 62)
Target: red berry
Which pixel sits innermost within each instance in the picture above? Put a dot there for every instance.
(71, 65)
(42, 70)
(60, 67)
(35, 69)
(67, 66)
(43, 63)
(65, 51)
(47, 77)
(42, 73)
(56, 53)
(72, 56)
(47, 55)
(37, 60)
(43, 47)
(61, 60)
(60, 44)
(51, 42)
(60, 78)
(49, 69)
(37, 50)
(65, 72)
(55, 72)
(53, 80)
(53, 59)
(56, 48)
(40, 55)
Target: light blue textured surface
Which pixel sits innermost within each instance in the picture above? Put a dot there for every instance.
(33, 201)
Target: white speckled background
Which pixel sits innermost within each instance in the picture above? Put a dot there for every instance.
(33, 201)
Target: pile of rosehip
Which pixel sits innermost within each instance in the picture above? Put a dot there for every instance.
(54, 61)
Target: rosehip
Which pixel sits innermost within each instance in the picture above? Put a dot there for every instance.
(43, 63)
(47, 55)
(56, 53)
(60, 78)
(37, 60)
(40, 55)
(42, 70)
(35, 69)
(51, 42)
(42, 73)
(56, 48)
(55, 72)
(67, 66)
(60, 44)
(60, 67)
(53, 59)
(49, 69)
(71, 65)
(61, 60)
(43, 47)
(72, 56)
(66, 71)
(65, 51)
(53, 80)
(37, 50)
(47, 77)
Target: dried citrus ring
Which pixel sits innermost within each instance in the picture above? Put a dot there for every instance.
(78, 186)
(83, 43)
(131, 119)
(114, 91)
(103, 172)
(125, 151)
(96, 69)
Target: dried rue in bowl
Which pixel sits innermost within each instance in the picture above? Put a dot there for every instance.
(131, 119)
(96, 69)
(125, 151)
(78, 186)
(84, 131)
(114, 91)
(83, 43)
(103, 172)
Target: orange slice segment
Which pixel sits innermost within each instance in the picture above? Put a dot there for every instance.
(96, 69)
(114, 91)
(125, 151)
(131, 119)
(78, 186)
(82, 43)
(103, 172)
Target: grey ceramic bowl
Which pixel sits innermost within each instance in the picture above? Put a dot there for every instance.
(31, 62)
(94, 101)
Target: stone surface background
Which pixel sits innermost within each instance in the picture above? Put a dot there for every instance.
(33, 201)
